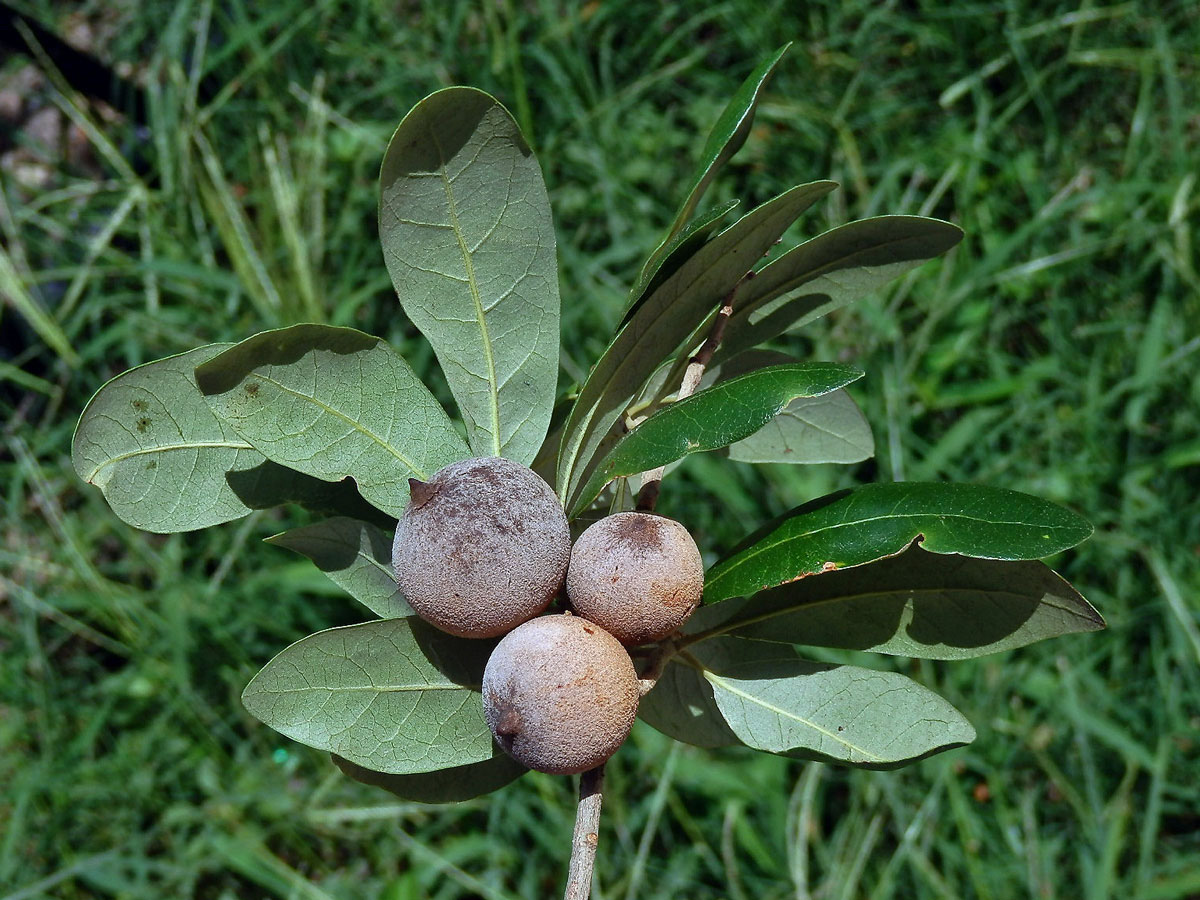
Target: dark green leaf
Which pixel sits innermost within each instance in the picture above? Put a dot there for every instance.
(395, 696)
(674, 254)
(825, 429)
(157, 452)
(357, 557)
(664, 322)
(830, 271)
(713, 418)
(333, 403)
(837, 713)
(445, 785)
(877, 520)
(467, 236)
(727, 136)
(916, 603)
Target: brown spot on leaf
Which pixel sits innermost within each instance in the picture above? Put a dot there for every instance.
(143, 425)
(139, 405)
(252, 388)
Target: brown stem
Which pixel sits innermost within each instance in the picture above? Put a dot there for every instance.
(587, 834)
(652, 482)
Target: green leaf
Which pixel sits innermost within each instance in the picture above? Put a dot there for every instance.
(395, 696)
(158, 454)
(713, 418)
(726, 137)
(835, 713)
(357, 557)
(451, 785)
(681, 704)
(918, 604)
(830, 271)
(673, 254)
(825, 429)
(877, 520)
(467, 236)
(665, 321)
(333, 403)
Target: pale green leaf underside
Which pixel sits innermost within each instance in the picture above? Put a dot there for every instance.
(681, 704)
(356, 556)
(826, 429)
(918, 604)
(161, 457)
(841, 713)
(333, 403)
(371, 694)
(467, 236)
(664, 322)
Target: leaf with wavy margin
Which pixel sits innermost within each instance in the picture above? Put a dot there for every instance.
(825, 429)
(465, 224)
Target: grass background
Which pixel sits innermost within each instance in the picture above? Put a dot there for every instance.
(1054, 351)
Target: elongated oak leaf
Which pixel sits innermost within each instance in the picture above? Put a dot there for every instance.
(877, 520)
(356, 556)
(831, 270)
(917, 603)
(395, 696)
(333, 403)
(674, 253)
(663, 322)
(713, 418)
(726, 138)
(467, 236)
(825, 429)
(842, 714)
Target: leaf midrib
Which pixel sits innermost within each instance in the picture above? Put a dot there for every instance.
(718, 681)
(476, 299)
(416, 470)
(844, 261)
(914, 593)
(764, 547)
(377, 689)
(165, 448)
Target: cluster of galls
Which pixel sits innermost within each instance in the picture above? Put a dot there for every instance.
(484, 548)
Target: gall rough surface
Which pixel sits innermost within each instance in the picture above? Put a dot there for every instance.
(560, 694)
(482, 547)
(637, 575)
